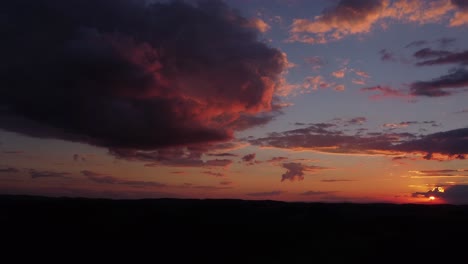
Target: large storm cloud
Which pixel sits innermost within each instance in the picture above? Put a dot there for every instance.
(129, 74)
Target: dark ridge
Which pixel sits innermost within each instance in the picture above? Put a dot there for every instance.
(228, 231)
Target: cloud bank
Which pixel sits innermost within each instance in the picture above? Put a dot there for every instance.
(129, 74)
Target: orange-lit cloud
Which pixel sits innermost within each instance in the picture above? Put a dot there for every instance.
(360, 17)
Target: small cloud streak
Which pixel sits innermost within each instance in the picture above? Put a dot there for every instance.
(35, 174)
(265, 194)
(107, 179)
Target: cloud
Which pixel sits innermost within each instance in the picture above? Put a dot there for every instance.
(265, 194)
(259, 24)
(249, 158)
(442, 57)
(47, 174)
(455, 194)
(337, 180)
(216, 174)
(457, 79)
(385, 92)
(9, 170)
(387, 55)
(316, 193)
(362, 74)
(416, 43)
(339, 87)
(439, 173)
(452, 144)
(225, 183)
(316, 62)
(222, 154)
(295, 171)
(351, 17)
(130, 74)
(400, 125)
(107, 179)
(174, 157)
(461, 16)
(347, 18)
(339, 73)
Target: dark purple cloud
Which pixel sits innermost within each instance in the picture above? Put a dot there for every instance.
(387, 55)
(130, 74)
(457, 79)
(47, 174)
(176, 157)
(9, 170)
(222, 154)
(295, 171)
(430, 53)
(265, 194)
(108, 179)
(453, 143)
(416, 43)
(249, 158)
(441, 57)
(337, 180)
(316, 193)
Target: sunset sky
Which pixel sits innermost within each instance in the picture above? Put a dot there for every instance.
(293, 100)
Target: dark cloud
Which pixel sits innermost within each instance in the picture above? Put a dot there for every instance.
(445, 42)
(108, 179)
(387, 55)
(417, 43)
(337, 180)
(295, 171)
(13, 152)
(265, 194)
(452, 143)
(221, 154)
(211, 188)
(9, 170)
(47, 174)
(442, 57)
(277, 159)
(249, 158)
(462, 4)
(129, 74)
(456, 194)
(176, 157)
(316, 193)
(457, 79)
(77, 157)
(429, 53)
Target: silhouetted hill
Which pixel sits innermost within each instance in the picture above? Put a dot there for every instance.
(229, 231)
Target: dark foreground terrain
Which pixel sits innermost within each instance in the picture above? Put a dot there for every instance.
(228, 231)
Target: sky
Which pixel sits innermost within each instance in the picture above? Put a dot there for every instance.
(292, 100)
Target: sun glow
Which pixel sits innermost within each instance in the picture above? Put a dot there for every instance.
(431, 198)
